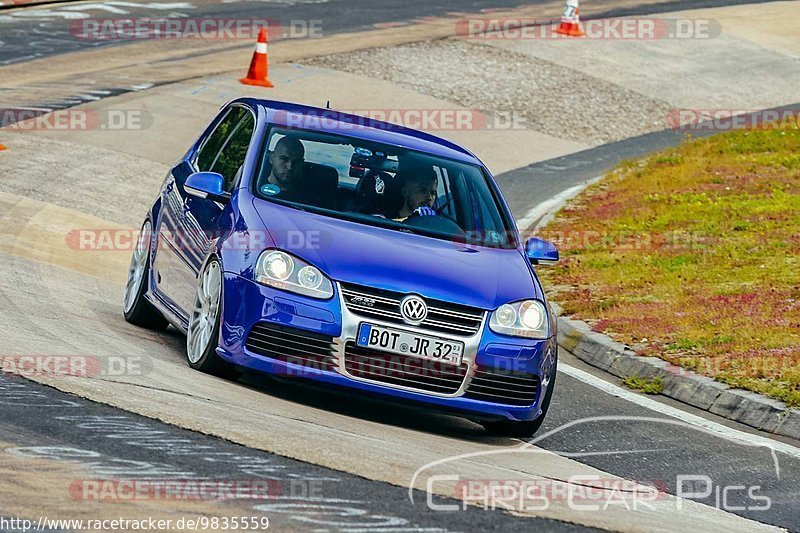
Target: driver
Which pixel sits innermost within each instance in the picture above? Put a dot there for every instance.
(418, 193)
(287, 161)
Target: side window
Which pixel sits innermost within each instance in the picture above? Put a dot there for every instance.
(215, 141)
(231, 157)
(445, 200)
(486, 218)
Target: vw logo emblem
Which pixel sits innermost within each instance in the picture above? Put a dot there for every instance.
(413, 309)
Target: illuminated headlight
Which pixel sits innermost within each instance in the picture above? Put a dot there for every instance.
(278, 266)
(283, 271)
(521, 319)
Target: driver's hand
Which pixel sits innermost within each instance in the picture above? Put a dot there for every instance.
(425, 211)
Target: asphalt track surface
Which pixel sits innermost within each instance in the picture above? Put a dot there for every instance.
(42, 422)
(28, 37)
(43, 31)
(598, 429)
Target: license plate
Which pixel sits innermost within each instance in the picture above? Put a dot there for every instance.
(407, 343)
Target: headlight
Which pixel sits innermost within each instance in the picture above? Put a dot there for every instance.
(282, 271)
(278, 266)
(521, 319)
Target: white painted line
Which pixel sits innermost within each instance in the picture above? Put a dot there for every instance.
(551, 204)
(689, 418)
(541, 209)
(29, 108)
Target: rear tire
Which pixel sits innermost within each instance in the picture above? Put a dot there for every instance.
(137, 310)
(202, 338)
(526, 429)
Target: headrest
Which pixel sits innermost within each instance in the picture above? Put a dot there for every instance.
(320, 176)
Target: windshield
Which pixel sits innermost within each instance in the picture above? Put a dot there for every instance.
(381, 185)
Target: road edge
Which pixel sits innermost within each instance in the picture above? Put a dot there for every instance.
(742, 406)
(601, 351)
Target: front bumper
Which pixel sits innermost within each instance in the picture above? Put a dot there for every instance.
(247, 304)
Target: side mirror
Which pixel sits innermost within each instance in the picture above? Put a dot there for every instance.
(540, 251)
(207, 185)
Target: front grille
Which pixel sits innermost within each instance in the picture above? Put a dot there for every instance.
(502, 386)
(442, 316)
(402, 370)
(291, 345)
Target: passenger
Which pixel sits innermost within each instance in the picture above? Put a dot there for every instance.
(418, 193)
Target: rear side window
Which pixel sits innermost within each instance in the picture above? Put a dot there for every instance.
(231, 157)
(214, 142)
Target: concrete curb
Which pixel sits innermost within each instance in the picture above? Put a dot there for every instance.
(679, 384)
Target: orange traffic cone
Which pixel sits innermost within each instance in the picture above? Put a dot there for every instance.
(570, 20)
(2, 147)
(259, 65)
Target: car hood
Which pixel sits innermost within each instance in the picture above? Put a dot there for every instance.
(357, 253)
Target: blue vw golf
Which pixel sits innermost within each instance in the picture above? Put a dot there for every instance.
(309, 243)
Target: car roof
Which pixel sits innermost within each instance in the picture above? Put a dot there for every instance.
(329, 120)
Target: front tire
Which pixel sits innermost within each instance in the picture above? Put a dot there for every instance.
(202, 337)
(526, 429)
(137, 310)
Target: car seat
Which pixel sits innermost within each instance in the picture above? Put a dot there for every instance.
(319, 182)
(378, 193)
(322, 184)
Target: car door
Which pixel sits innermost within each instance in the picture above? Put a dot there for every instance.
(190, 224)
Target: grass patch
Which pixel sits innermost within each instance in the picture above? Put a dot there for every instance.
(647, 386)
(693, 255)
